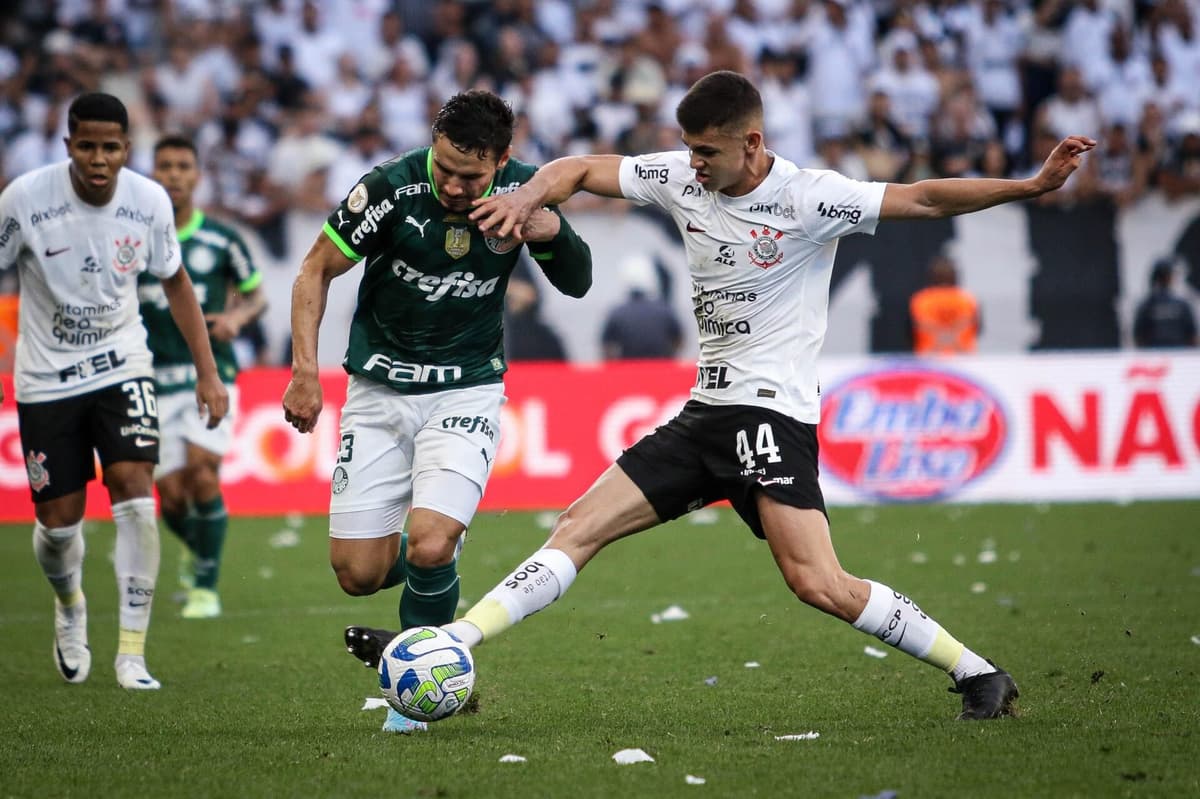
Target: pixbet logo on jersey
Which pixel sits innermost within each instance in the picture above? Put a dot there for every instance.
(909, 434)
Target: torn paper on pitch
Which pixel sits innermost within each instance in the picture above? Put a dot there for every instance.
(811, 735)
(512, 759)
(673, 613)
(284, 539)
(374, 703)
(691, 780)
(873, 652)
(627, 756)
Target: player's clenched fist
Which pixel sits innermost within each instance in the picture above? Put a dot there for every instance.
(302, 403)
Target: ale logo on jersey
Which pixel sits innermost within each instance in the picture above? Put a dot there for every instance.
(908, 433)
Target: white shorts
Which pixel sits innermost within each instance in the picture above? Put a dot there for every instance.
(180, 424)
(394, 446)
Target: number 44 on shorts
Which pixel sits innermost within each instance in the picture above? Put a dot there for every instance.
(764, 445)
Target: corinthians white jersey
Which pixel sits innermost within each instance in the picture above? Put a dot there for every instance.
(760, 267)
(79, 328)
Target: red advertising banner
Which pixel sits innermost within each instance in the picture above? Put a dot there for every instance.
(562, 425)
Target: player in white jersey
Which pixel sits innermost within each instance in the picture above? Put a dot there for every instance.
(761, 236)
(80, 232)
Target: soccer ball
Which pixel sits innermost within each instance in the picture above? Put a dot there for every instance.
(426, 673)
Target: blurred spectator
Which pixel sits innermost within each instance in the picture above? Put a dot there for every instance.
(1120, 78)
(1070, 108)
(526, 336)
(945, 317)
(185, 87)
(394, 43)
(913, 92)
(787, 109)
(1179, 174)
(839, 55)
(402, 102)
(994, 44)
(367, 148)
(1116, 170)
(317, 47)
(885, 149)
(643, 325)
(345, 97)
(837, 153)
(1164, 319)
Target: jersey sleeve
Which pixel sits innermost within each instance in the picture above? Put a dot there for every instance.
(245, 275)
(10, 228)
(566, 260)
(833, 205)
(165, 257)
(361, 224)
(655, 178)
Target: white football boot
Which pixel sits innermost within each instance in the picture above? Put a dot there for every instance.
(71, 653)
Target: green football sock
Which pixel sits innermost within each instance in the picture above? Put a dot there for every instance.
(398, 572)
(211, 524)
(183, 525)
(430, 595)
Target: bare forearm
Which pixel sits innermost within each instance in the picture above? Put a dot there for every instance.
(563, 177)
(309, 295)
(181, 299)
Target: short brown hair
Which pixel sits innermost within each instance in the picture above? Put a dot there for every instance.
(717, 100)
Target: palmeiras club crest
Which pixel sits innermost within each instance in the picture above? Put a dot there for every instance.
(765, 252)
(39, 478)
(126, 257)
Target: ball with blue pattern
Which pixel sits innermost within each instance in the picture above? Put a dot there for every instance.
(426, 673)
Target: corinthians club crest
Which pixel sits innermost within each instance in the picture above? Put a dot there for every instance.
(39, 478)
(126, 257)
(764, 252)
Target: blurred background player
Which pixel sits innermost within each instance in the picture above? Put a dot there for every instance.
(80, 232)
(219, 265)
(421, 421)
(945, 316)
(643, 324)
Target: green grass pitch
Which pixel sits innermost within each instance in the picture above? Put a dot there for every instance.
(1095, 609)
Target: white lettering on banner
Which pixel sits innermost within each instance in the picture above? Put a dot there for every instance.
(630, 418)
(271, 451)
(524, 442)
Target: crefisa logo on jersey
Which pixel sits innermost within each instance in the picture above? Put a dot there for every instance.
(910, 433)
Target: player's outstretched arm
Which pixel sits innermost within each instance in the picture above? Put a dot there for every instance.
(211, 396)
(302, 400)
(942, 197)
(504, 214)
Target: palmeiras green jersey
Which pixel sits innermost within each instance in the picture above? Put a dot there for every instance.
(431, 301)
(215, 258)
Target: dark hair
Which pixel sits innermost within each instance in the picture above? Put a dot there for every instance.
(717, 100)
(175, 141)
(476, 121)
(97, 107)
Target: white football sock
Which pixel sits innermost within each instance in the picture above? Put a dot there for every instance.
(59, 551)
(136, 561)
(896, 620)
(542, 578)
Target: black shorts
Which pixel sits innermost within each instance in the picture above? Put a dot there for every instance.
(712, 452)
(58, 438)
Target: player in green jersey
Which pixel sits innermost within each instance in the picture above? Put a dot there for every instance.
(422, 416)
(187, 474)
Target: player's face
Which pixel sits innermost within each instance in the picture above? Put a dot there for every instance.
(98, 150)
(720, 158)
(462, 177)
(176, 169)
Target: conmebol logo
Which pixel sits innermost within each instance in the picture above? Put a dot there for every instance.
(907, 434)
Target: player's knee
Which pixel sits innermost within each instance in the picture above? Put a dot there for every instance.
(205, 482)
(356, 580)
(429, 551)
(171, 503)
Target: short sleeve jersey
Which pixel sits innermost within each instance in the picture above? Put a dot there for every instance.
(431, 300)
(216, 258)
(79, 328)
(760, 267)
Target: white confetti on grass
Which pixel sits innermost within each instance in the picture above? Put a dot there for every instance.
(811, 735)
(978, 588)
(1196, 640)
(629, 756)
(374, 703)
(673, 613)
(265, 572)
(919, 557)
(294, 519)
(704, 516)
(545, 520)
(959, 560)
(987, 556)
(873, 652)
(512, 759)
(692, 780)
(250, 639)
(284, 539)
(752, 664)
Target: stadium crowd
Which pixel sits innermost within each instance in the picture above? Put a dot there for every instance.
(290, 101)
